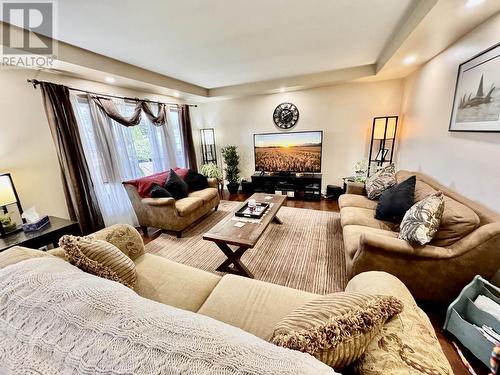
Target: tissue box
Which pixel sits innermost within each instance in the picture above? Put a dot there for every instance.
(37, 225)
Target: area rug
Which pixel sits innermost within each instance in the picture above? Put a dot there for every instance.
(305, 252)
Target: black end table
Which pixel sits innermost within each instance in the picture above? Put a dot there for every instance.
(48, 235)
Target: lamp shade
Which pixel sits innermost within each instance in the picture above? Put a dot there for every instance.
(7, 195)
(385, 128)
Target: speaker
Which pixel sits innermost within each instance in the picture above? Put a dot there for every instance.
(333, 192)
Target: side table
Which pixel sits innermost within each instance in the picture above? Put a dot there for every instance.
(48, 235)
(346, 180)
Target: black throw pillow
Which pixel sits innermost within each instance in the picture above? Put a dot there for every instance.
(158, 191)
(395, 201)
(176, 186)
(196, 181)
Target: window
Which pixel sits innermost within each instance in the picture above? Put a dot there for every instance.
(117, 153)
(176, 128)
(142, 145)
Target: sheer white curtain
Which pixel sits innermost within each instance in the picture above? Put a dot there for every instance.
(174, 134)
(117, 153)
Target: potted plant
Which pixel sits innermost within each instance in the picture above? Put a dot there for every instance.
(231, 159)
(361, 170)
(211, 170)
(8, 225)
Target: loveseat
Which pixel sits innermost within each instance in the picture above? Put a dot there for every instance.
(466, 244)
(170, 214)
(406, 345)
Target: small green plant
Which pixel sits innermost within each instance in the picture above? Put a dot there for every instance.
(361, 170)
(232, 160)
(211, 170)
(7, 222)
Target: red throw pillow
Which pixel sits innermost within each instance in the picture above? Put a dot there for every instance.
(181, 172)
(144, 184)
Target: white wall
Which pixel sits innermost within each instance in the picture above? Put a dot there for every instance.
(26, 147)
(467, 162)
(344, 113)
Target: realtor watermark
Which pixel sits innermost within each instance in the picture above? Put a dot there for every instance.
(28, 37)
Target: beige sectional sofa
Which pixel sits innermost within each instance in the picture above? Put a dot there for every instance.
(171, 214)
(467, 243)
(406, 344)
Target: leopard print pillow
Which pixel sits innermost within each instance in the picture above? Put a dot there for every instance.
(422, 220)
(382, 180)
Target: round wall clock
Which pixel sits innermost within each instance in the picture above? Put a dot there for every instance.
(286, 115)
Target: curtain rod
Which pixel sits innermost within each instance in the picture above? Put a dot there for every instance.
(36, 82)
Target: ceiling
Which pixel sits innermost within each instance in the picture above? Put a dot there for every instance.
(221, 43)
(207, 50)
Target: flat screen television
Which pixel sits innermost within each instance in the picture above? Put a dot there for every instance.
(288, 152)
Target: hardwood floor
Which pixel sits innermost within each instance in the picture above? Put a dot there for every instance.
(324, 205)
(436, 313)
(437, 317)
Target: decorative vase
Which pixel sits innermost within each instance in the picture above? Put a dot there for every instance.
(233, 187)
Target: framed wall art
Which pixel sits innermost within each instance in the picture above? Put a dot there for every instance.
(476, 105)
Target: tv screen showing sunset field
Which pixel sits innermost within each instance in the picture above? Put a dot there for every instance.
(288, 152)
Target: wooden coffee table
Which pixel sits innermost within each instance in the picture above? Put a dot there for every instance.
(225, 233)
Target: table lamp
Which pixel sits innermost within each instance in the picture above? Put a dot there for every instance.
(8, 196)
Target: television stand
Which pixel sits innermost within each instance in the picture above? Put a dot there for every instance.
(305, 186)
(284, 173)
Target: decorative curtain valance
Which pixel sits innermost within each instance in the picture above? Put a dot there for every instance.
(109, 107)
(160, 118)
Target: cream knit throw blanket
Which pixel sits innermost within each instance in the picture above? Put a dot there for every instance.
(56, 319)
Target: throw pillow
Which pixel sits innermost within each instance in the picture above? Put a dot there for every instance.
(422, 220)
(99, 258)
(144, 184)
(196, 181)
(176, 186)
(336, 328)
(458, 219)
(395, 201)
(158, 191)
(380, 181)
(181, 172)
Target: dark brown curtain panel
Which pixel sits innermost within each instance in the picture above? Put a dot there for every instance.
(78, 187)
(187, 137)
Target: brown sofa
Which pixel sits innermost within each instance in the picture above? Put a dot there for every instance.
(406, 344)
(467, 243)
(171, 214)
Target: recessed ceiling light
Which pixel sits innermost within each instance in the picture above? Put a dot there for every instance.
(410, 59)
(473, 3)
(282, 89)
(110, 79)
(176, 94)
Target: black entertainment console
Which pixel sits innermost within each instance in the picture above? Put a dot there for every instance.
(301, 185)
